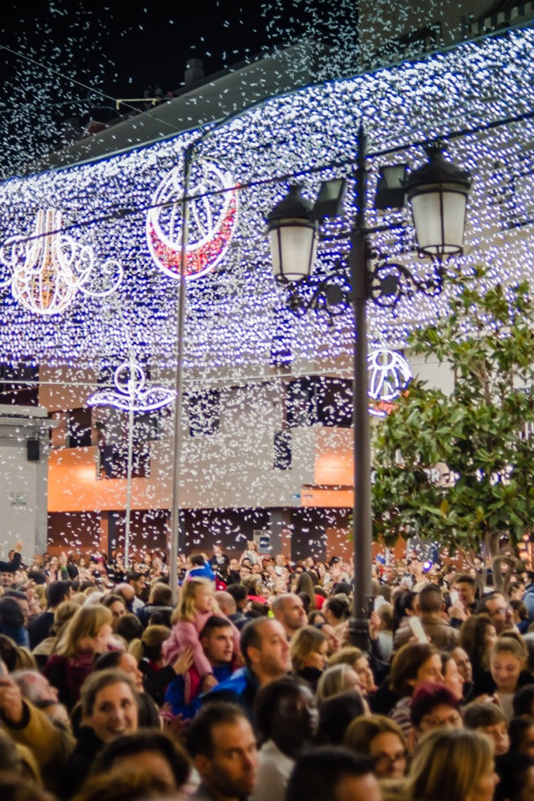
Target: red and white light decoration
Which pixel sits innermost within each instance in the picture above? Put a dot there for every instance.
(211, 223)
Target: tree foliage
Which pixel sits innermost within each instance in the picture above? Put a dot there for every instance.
(458, 468)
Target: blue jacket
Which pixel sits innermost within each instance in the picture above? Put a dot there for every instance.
(175, 693)
(202, 572)
(241, 688)
(528, 600)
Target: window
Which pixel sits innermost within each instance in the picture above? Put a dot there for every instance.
(282, 450)
(13, 393)
(204, 413)
(79, 428)
(323, 400)
(301, 402)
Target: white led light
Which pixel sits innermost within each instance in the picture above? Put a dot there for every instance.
(131, 392)
(48, 269)
(389, 375)
(212, 219)
(235, 312)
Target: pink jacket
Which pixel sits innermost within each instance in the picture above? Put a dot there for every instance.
(186, 632)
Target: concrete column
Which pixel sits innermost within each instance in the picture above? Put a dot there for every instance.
(279, 524)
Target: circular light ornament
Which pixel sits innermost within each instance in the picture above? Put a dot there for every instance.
(437, 193)
(212, 219)
(389, 375)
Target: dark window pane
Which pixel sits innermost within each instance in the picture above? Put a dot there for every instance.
(282, 450)
(204, 413)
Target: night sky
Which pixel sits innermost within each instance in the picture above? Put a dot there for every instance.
(142, 41)
(113, 49)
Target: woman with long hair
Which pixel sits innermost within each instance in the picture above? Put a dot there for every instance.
(309, 648)
(305, 584)
(413, 665)
(87, 633)
(452, 765)
(507, 672)
(109, 710)
(337, 679)
(477, 638)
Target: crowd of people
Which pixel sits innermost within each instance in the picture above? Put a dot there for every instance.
(249, 686)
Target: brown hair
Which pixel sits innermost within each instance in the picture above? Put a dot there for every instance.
(473, 639)
(86, 622)
(406, 664)
(363, 730)
(307, 640)
(448, 764)
(97, 681)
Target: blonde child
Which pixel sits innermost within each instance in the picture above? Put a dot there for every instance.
(195, 606)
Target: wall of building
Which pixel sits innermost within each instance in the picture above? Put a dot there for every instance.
(23, 480)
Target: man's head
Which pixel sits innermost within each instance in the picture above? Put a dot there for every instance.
(217, 640)
(160, 595)
(138, 582)
(286, 712)
(415, 566)
(239, 594)
(466, 587)
(57, 592)
(388, 574)
(34, 686)
(7, 580)
(226, 602)
(498, 610)
(333, 774)
(430, 600)
(126, 590)
(222, 745)
(289, 610)
(22, 601)
(265, 649)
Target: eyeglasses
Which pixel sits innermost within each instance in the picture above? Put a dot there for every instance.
(502, 610)
(390, 760)
(436, 723)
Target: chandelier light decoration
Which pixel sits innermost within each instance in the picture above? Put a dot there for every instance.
(212, 219)
(47, 269)
(131, 392)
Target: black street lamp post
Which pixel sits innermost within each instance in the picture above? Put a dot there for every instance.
(437, 193)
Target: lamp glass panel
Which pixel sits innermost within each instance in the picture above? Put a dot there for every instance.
(426, 210)
(439, 218)
(454, 204)
(293, 250)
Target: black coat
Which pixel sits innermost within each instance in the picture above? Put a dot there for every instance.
(484, 684)
(13, 566)
(80, 763)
